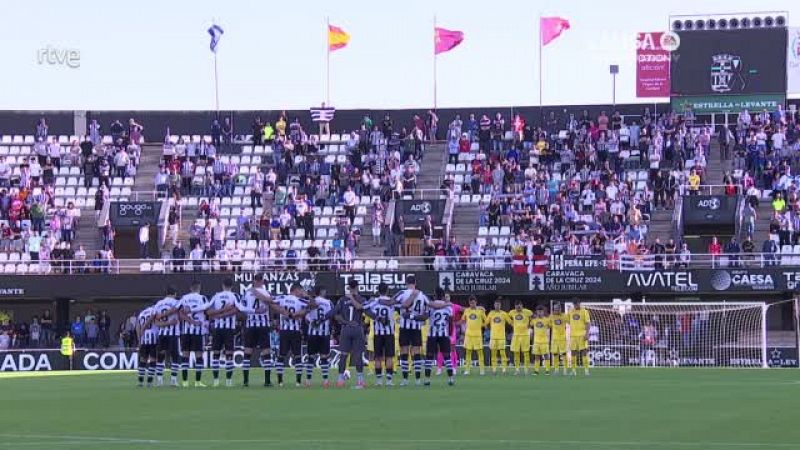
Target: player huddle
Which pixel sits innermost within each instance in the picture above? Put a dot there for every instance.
(549, 346)
(176, 329)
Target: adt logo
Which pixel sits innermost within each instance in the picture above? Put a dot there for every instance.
(424, 208)
(711, 203)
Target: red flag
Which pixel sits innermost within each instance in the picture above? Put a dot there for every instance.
(551, 28)
(446, 40)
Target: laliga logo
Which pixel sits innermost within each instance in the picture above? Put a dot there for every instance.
(670, 41)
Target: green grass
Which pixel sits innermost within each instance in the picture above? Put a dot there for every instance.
(612, 409)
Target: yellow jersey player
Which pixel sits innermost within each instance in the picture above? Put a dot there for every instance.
(474, 317)
(521, 339)
(578, 336)
(541, 341)
(558, 339)
(497, 321)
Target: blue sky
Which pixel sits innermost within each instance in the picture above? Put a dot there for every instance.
(154, 54)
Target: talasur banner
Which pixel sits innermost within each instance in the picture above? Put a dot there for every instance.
(652, 64)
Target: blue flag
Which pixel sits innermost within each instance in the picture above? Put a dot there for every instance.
(216, 33)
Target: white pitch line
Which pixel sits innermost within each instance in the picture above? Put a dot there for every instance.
(94, 440)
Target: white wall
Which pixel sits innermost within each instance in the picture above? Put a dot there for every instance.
(154, 54)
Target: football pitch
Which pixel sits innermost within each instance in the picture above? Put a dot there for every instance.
(613, 409)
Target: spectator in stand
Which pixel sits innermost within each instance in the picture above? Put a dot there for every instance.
(732, 250)
(178, 257)
(35, 330)
(197, 257)
(144, 240)
(714, 249)
(104, 325)
(92, 333)
(216, 133)
(78, 330)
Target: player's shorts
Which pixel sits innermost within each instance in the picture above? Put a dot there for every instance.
(148, 351)
(319, 345)
(384, 346)
(558, 347)
(351, 340)
(256, 337)
(578, 344)
(520, 344)
(168, 345)
(474, 343)
(222, 339)
(191, 342)
(291, 342)
(438, 344)
(410, 337)
(541, 349)
(497, 344)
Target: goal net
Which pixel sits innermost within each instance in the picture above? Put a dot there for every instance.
(663, 334)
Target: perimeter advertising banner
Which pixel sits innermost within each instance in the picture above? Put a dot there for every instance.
(652, 63)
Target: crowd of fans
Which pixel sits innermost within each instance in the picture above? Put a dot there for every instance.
(575, 186)
(30, 222)
(288, 188)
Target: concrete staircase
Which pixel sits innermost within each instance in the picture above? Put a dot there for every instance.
(147, 169)
(87, 234)
(431, 169)
(466, 219)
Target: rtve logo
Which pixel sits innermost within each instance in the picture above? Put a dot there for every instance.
(51, 56)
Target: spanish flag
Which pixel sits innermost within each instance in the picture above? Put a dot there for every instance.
(337, 38)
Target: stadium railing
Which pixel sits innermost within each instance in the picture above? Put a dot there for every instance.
(788, 257)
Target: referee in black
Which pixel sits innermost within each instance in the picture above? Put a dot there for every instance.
(349, 313)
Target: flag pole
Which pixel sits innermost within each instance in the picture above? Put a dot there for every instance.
(216, 84)
(327, 62)
(541, 113)
(435, 94)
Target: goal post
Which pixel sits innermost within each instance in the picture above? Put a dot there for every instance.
(678, 334)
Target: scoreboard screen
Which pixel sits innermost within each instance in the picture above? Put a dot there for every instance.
(730, 62)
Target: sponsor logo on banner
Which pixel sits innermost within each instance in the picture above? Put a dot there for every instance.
(474, 281)
(276, 283)
(712, 203)
(680, 281)
(653, 63)
(706, 104)
(793, 60)
(368, 281)
(782, 357)
(111, 360)
(11, 292)
(25, 362)
(722, 280)
(421, 208)
(792, 280)
(536, 282)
